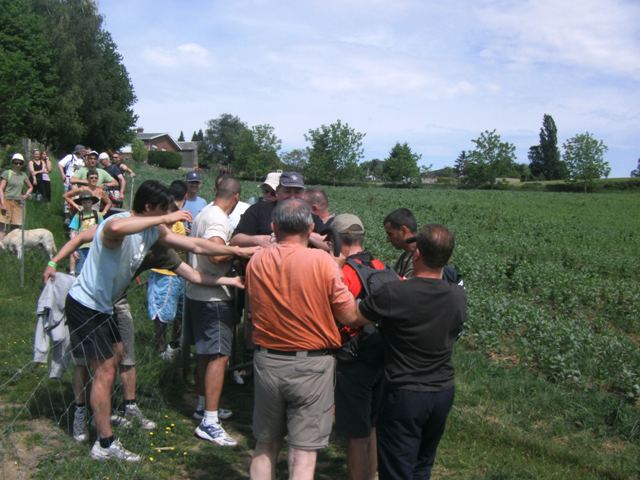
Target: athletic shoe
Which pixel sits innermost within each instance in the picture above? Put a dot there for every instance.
(216, 434)
(119, 421)
(115, 451)
(80, 433)
(169, 353)
(223, 414)
(132, 412)
(237, 378)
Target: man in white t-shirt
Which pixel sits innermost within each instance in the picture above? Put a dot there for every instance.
(210, 313)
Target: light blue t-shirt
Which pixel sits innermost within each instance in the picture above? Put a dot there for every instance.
(194, 206)
(107, 272)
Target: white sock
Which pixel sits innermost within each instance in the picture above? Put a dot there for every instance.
(211, 417)
(200, 405)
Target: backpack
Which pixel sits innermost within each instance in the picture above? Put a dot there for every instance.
(367, 344)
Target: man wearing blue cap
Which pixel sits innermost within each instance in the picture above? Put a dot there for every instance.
(194, 203)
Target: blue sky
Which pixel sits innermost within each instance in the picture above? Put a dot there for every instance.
(431, 73)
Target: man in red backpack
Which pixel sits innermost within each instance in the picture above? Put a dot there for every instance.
(359, 371)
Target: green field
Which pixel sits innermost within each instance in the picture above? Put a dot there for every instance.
(548, 368)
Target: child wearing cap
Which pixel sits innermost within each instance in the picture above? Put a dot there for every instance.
(12, 182)
(85, 219)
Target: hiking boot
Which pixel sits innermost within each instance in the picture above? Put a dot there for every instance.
(132, 412)
(223, 414)
(115, 451)
(215, 433)
(80, 431)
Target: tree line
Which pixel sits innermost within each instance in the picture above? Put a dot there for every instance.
(62, 79)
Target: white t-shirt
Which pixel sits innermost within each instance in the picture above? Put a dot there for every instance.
(241, 207)
(71, 164)
(210, 222)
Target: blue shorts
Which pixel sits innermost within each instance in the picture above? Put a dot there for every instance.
(163, 295)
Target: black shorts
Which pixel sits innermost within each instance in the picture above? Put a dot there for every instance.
(358, 398)
(92, 333)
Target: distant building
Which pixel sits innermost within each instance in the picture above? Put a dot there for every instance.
(165, 142)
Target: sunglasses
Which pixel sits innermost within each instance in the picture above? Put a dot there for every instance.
(18, 162)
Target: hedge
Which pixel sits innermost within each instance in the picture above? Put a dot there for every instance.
(171, 160)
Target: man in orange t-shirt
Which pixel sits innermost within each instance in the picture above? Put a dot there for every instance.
(296, 295)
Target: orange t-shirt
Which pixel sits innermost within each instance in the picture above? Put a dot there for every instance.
(294, 292)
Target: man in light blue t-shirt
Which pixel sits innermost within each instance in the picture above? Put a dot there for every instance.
(194, 203)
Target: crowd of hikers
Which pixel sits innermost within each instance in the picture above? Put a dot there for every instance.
(338, 340)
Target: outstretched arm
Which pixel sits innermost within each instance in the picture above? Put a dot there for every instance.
(194, 276)
(115, 230)
(67, 249)
(201, 246)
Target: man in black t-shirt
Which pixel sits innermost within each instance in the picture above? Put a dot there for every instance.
(420, 320)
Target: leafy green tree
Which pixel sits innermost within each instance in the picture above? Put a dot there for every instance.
(94, 95)
(26, 94)
(372, 169)
(334, 152)
(295, 160)
(181, 137)
(256, 151)
(138, 150)
(584, 157)
(402, 165)
(636, 172)
(545, 161)
(222, 133)
(490, 159)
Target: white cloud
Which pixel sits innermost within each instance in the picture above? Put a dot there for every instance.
(184, 55)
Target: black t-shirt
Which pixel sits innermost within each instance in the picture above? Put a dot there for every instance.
(113, 170)
(256, 220)
(420, 319)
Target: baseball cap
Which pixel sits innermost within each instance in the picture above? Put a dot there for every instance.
(347, 223)
(103, 156)
(86, 195)
(17, 156)
(292, 180)
(273, 179)
(193, 177)
(93, 153)
(78, 148)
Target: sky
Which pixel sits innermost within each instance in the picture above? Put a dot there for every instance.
(430, 73)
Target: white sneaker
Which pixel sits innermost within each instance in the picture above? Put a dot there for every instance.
(237, 377)
(115, 451)
(216, 434)
(119, 421)
(132, 412)
(169, 353)
(80, 433)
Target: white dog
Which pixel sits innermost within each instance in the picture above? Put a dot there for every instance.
(38, 237)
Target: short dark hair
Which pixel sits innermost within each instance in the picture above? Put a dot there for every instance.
(436, 244)
(292, 216)
(402, 217)
(92, 171)
(227, 187)
(317, 196)
(153, 193)
(178, 190)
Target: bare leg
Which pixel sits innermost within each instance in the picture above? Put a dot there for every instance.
(263, 462)
(302, 464)
(214, 381)
(105, 374)
(79, 384)
(358, 460)
(128, 379)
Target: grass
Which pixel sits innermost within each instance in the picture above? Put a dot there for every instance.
(541, 390)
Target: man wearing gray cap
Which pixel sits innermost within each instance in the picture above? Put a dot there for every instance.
(194, 202)
(254, 228)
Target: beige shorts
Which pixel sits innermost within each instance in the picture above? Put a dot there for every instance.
(13, 214)
(293, 398)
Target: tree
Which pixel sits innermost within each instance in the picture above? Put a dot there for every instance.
(194, 137)
(372, 169)
(217, 147)
(295, 160)
(256, 151)
(490, 159)
(552, 166)
(25, 73)
(138, 150)
(334, 152)
(636, 172)
(181, 137)
(584, 157)
(536, 162)
(402, 165)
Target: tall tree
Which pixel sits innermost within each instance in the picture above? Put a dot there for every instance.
(636, 172)
(217, 147)
(26, 94)
(402, 164)
(194, 137)
(536, 162)
(256, 151)
(584, 157)
(334, 152)
(295, 160)
(491, 158)
(553, 167)
(181, 137)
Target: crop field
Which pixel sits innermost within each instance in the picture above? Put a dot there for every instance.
(548, 368)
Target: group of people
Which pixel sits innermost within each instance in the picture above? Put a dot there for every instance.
(307, 300)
